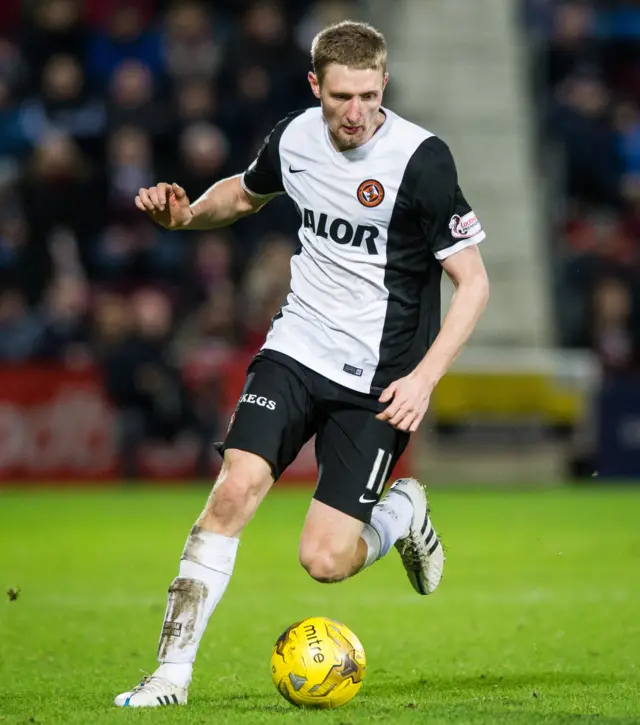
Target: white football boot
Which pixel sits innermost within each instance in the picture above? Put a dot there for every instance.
(153, 692)
(420, 548)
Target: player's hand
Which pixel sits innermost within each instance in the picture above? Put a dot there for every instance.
(408, 400)
(167, 204)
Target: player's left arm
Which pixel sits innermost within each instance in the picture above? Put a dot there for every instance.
(410, 395)
(454, 233)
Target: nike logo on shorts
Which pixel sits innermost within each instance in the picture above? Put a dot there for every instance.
(295, 171)
(362, 499)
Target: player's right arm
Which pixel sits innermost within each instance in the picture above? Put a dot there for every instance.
(227, 200)
(224, 203)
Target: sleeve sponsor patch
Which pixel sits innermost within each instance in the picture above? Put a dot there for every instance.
(464, 227)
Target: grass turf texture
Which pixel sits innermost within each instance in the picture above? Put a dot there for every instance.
(537, 619)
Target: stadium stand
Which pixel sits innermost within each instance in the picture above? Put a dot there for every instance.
(98, 99)
(586, 80)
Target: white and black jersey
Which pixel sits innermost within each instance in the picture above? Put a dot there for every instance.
(364, 305)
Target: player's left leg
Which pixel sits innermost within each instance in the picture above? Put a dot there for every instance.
(347, 528)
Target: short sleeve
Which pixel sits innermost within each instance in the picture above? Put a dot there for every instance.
(443, 212)
(264, 175)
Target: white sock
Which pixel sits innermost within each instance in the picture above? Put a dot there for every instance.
(179, 673)
(205, 569)
(390, 520)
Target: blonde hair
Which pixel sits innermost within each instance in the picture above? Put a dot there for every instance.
(356, 45)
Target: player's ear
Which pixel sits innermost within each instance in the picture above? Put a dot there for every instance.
(314, 83)
(385, 80)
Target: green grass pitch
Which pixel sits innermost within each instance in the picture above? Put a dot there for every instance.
(537, 620)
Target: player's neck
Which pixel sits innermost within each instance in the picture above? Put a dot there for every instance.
(380, 119)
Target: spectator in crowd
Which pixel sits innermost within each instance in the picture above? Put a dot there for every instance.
(631, 216)
(580, 122)
(13, 251)
(627, 127)
(196, 101)
(64, 106)
(595, 242)
(14, 138)
(146, 385)
(216, 322)
(111, 323)
(131, 99)
(20, 329)
(317, 16)
(13, 69)
(194, 41)
(126, 39)
(128, 255)
(266, 39)
(263, 51)
(64, 319)
(266, 288)
(213, 260)
(572, 47)
(53, 27)
(130, 165)
(205, 152)
(257, 97)
(613, 337)
(60, 189)
(618, 29)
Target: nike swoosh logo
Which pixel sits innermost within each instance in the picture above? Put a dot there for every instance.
(367, 500)
(295, 171)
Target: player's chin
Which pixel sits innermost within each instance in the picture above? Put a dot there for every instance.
(350, 138)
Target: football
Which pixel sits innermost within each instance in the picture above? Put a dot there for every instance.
(318, 663)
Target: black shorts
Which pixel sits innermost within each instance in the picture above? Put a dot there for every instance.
(283, 404)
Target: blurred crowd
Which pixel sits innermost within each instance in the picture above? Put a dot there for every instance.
(586, 79)
(97, 99)
(101, 97)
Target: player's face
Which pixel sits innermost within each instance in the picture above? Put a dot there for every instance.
(351, 99)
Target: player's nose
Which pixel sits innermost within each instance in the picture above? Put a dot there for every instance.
(353, 111)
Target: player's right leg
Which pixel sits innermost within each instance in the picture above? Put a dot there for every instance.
(272, 422)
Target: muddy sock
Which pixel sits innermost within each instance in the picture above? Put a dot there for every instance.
(205, 568)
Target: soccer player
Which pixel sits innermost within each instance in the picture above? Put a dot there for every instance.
(355, 352)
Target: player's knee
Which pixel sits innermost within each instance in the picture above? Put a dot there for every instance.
(325, 566)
